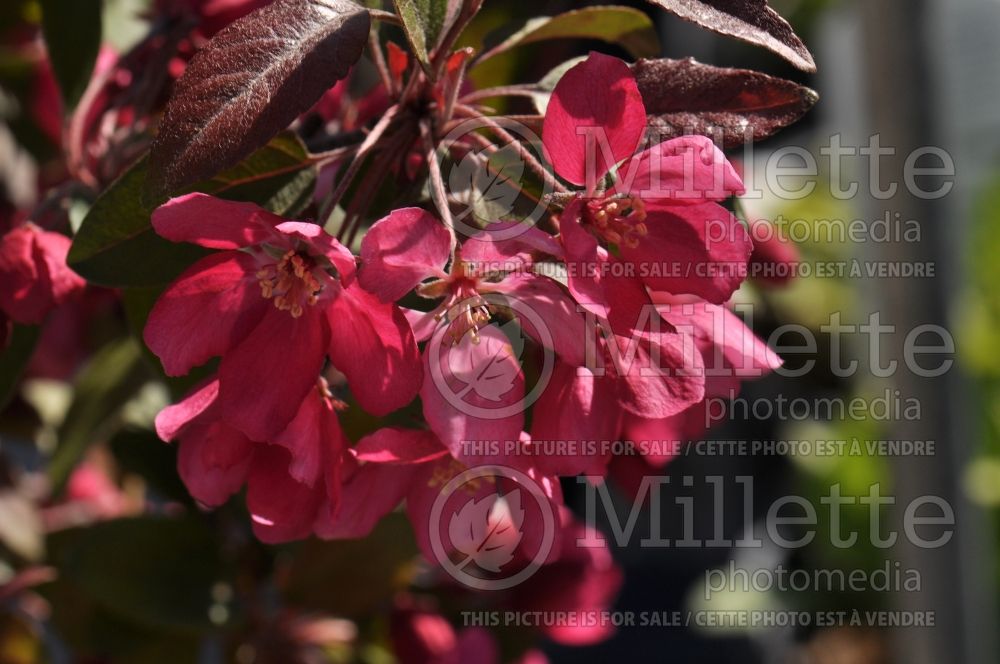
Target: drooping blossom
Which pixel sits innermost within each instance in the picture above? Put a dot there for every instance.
(637, 365)
(421, 635)
(293, 480)
(582, 580)
(34, 273)
(276, 301)
(396, 464)
(711, 351)
(660, 216)
(731, 354)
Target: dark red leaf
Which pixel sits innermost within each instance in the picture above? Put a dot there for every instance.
(688, 97)
(250, 82)
(750, 20)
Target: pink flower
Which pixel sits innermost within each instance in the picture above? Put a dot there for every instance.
(34, 273)
(275, 303)
(293, 483)
(661, 212)
(471, 366)
(421, 635)
(396, 464)
(583, 580)
(774, 258)
(638, 365)
(731, 353)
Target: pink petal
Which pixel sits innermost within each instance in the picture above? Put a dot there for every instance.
(682, 171)
(207, 311)
(631, 309)
(699, 250)
(263, 381)
(401, 250)
(476, 644)
(423, 323)
(51, 250)
(490, 251)
(34, 273)
(173, 420)
(424, 489)
(320, 243)
(203, 447)
(372, 344)
(473, 391)
(565, 329)
(774, 257)
(599, 94)
(423, 636)
(281, 508)
(213, 222)
(533, 528)
(655, 387)
(575, 409)
(368, 492)
(733, 348)
(663, 437)
(399, 446)
(584, 261)
(584, 580)
(313, 437)
(26, 293)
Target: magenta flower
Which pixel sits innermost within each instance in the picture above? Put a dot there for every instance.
(661, 214)
(34, 273)
(731, 353)
(393, 465)
(293, 484)
(275, 303)
(581, 580)
(421, 635)
(473, 381)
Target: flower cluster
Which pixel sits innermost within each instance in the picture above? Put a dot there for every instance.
(386, 289)
(306, 331)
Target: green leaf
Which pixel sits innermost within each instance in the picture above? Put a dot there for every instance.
(155, 572)
(15, 358)
(424, 22)
(111, 378)
(388, 554)
(72, 30)
(629, 28)
(117, 246)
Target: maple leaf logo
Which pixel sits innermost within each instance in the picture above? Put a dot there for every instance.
(488, 530)
(491, 368)
(488, 184)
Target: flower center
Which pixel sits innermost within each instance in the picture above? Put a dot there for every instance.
(465, 310)
(291, 283)
(618, 221)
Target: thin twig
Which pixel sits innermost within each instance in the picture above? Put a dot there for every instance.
(322, 158)
(522, 151)
(370, 141)
(502, 91)
(438, 192)
(379, 59)
(385, 17)
(456, 88)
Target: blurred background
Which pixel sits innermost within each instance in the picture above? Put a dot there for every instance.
(80, 583)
